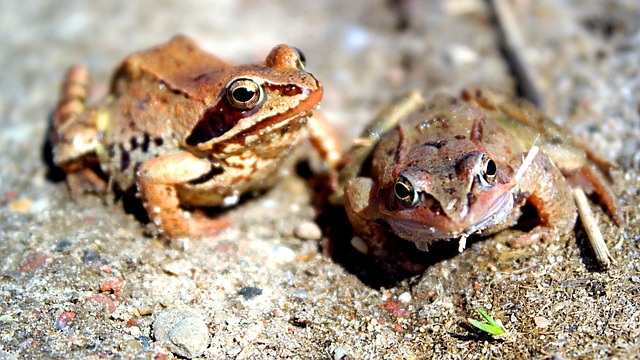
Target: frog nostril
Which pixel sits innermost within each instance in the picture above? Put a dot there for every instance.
(471, 199)
(432, 204)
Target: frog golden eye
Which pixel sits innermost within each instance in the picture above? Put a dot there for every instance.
(405, 192)
(302, 60)
(488, 172)
(244, 94)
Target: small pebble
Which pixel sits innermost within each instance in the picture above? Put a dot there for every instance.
(144, 341)
(132, 346)
(250, 292)
(134, 331)
(307, 230)
(65, 320)
(301, 294)
(282, 254)
(145, 310)
(177, 267)
(232, 321)
(340, 353)
(112, 286)
(234, 351)
(63, 246)
(33, 262)
(405, 297)
(20, 206)
(541, 321)
(90, 258)
(359, 245)
(182, 331)
(462, 55)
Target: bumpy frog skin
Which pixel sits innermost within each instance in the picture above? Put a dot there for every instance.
(447, 169)
(181, 128)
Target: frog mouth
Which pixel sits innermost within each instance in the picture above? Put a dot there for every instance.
(441, 227)
(498, 213)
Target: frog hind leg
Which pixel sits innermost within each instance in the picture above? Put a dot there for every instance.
(548, 191)
(587, 173)
(591, 179)
(74, 134)
(157, 181)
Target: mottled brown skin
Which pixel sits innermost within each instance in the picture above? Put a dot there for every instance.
(184, 129)
(446, 169)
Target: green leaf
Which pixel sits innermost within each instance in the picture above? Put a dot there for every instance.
(491, 326)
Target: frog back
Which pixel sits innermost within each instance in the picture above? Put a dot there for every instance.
(152, 105)
(530, 126)
(443, 119)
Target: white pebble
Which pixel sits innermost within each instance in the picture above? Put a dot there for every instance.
(405, 297)
(308, 230)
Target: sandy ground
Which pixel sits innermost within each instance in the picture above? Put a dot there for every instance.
(79, 279)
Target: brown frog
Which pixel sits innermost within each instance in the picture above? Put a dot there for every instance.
(183, 129)
(448, 168)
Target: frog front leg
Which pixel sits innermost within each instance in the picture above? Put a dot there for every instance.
(326, 142)
(360, 203)
(157, 181)
(544, 187)
(361, 206)
(352, 162)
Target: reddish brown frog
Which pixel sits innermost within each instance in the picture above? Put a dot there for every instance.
(447, 169)
(184, 129)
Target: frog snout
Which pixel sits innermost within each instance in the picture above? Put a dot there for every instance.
(431, 203)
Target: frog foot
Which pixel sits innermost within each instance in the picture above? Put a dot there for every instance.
(85, 180)
(201, 225)
(536, 235)
(196, 225)
(158, 180)
(592, 180)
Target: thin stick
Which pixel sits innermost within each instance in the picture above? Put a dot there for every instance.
(514, 45)
(527, 162)
(593, 232)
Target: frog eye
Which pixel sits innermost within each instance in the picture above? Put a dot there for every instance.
(244, 94)
(488, 171)
(405, 192)
(302, 59)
